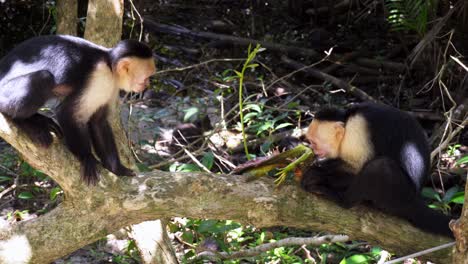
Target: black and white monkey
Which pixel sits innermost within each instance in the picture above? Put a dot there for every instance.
(88, 78)
(373, 153)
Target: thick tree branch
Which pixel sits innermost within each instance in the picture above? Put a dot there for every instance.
(89, 213)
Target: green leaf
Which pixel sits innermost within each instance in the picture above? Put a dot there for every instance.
(283, 125)
(55, 192)
(208, 226)
(356, 259)
(292, 105)
(430, 194)
(253, 65)
(208, 160)
(25, 195)
(458, 198)
(450, 193)
(188, 168)
(189, 113)
(254, 107)
(265, 126)
(5, 178)
(462, 160)
(239, 74)
(250, 116)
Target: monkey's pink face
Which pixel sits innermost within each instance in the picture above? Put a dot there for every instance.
(141, 74)
(325, 138)
(139, 85)
(134, 73)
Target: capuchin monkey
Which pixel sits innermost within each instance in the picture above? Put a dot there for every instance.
(87, 78)
(373, 153)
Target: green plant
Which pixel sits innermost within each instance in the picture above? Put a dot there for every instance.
(17, 215)
(410, 15)
(453, 149)
(463, 160)
(454, 195)
(247, 65)
(262, 121)
(207, 161)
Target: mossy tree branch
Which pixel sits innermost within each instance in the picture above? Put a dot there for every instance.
(89, 213)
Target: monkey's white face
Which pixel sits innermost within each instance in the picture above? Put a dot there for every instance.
(134, 74)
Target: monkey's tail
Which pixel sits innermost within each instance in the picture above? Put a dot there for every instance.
(428, 219)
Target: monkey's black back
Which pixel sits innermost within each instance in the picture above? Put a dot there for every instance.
(67, 58)
(397, 135)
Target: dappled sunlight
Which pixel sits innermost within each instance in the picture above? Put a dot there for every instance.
(15, 250)
(4, 126)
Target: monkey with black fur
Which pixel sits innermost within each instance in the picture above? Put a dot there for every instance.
(373, 153)
(88, 77)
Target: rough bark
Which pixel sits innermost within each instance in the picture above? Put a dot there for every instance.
(89, 213)
(460, 228)
(104, 27)
(67, 19)
(104, 21)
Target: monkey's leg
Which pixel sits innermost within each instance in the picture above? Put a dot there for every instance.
(78, 141)
(104, 143)
(21, 97)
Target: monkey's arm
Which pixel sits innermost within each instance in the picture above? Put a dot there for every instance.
(104, 143)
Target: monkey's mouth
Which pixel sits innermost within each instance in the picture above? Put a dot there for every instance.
(139, 87)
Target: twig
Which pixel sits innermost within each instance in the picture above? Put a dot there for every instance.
(335, 81)
(139, 16)
(421, 253)
(197, 65)
(193, 157)
(429, 37)
(341, 5)
(8, 171)
(292, 241)
(341, 61)
(299, 69)
(7, 190)
(376, 64)
(457, 60)
(178, 30)
(445, 143)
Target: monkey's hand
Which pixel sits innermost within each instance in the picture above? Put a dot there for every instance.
(121, 170)
(283, 172)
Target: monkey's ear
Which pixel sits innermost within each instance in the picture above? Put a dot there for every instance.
(339, 131)
(123, 66)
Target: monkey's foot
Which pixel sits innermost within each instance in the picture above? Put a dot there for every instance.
(123, 171)
(38, 127)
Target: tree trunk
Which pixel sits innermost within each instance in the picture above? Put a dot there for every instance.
(104, 22)
(104, 27)
(152, 241)
(89, 213)
(460, 230)
(67, 19)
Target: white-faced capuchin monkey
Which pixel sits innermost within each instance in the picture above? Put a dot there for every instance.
(373, 153)
(88, 77)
